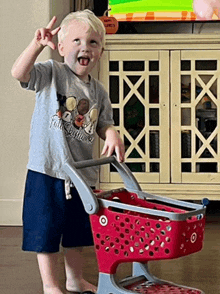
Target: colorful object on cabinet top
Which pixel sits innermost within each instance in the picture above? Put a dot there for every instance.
(164, 10)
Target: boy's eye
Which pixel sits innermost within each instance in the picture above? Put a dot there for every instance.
(93, 42)
(76, 40)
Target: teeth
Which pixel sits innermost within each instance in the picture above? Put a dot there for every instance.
(84, 61)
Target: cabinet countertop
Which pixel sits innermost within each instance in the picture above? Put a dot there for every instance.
(164, 41)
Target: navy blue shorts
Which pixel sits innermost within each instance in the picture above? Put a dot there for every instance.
(49, 219)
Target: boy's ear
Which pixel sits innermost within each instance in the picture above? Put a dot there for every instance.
(60, 49)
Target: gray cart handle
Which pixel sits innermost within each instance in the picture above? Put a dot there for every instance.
(88, 198)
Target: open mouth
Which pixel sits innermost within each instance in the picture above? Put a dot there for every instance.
(84, 61)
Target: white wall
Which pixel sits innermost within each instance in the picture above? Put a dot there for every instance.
(18, 23)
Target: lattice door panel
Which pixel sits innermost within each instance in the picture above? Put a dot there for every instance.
(138, 86)
(195, 116)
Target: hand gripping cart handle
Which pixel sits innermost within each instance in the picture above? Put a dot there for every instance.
(130, 225)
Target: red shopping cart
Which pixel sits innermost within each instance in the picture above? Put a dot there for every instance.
(130, 225)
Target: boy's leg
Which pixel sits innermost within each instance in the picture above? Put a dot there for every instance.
(74, 274)
(43, 222)
(49, 270)
(77, 233)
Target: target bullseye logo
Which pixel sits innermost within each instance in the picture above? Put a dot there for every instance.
(193, 238)
(103, 220)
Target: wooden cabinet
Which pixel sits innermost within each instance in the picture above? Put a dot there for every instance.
(165, 94)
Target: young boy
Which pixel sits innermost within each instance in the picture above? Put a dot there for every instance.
(70, 107)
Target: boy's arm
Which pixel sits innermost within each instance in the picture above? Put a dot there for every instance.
(113, 142)
(23, 65)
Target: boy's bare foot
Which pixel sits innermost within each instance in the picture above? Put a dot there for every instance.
(89, 287)
(53, 291)
(82, 286)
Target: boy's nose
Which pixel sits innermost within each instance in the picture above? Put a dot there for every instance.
(84, 48)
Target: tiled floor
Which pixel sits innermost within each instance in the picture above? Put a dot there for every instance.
(19, 271)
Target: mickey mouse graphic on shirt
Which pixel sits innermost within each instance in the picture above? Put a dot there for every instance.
(78, 119)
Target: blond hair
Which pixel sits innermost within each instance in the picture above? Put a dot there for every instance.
(86, 16)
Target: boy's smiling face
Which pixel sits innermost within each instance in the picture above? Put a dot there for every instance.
(81, 48)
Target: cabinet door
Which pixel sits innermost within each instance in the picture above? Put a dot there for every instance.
(138, 86)
(195, 110)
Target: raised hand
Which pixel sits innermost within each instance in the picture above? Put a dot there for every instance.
(44, 36)
(25, 62)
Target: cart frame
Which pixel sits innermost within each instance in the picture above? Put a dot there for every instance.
(107, 283)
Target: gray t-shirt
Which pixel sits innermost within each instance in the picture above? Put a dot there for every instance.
(66, 116)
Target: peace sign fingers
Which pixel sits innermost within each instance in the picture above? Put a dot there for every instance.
(45, 35)
(50, 26)
(51, 23)
(55, 31)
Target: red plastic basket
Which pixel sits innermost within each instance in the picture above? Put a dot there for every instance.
(128, 236)
(130, 225)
